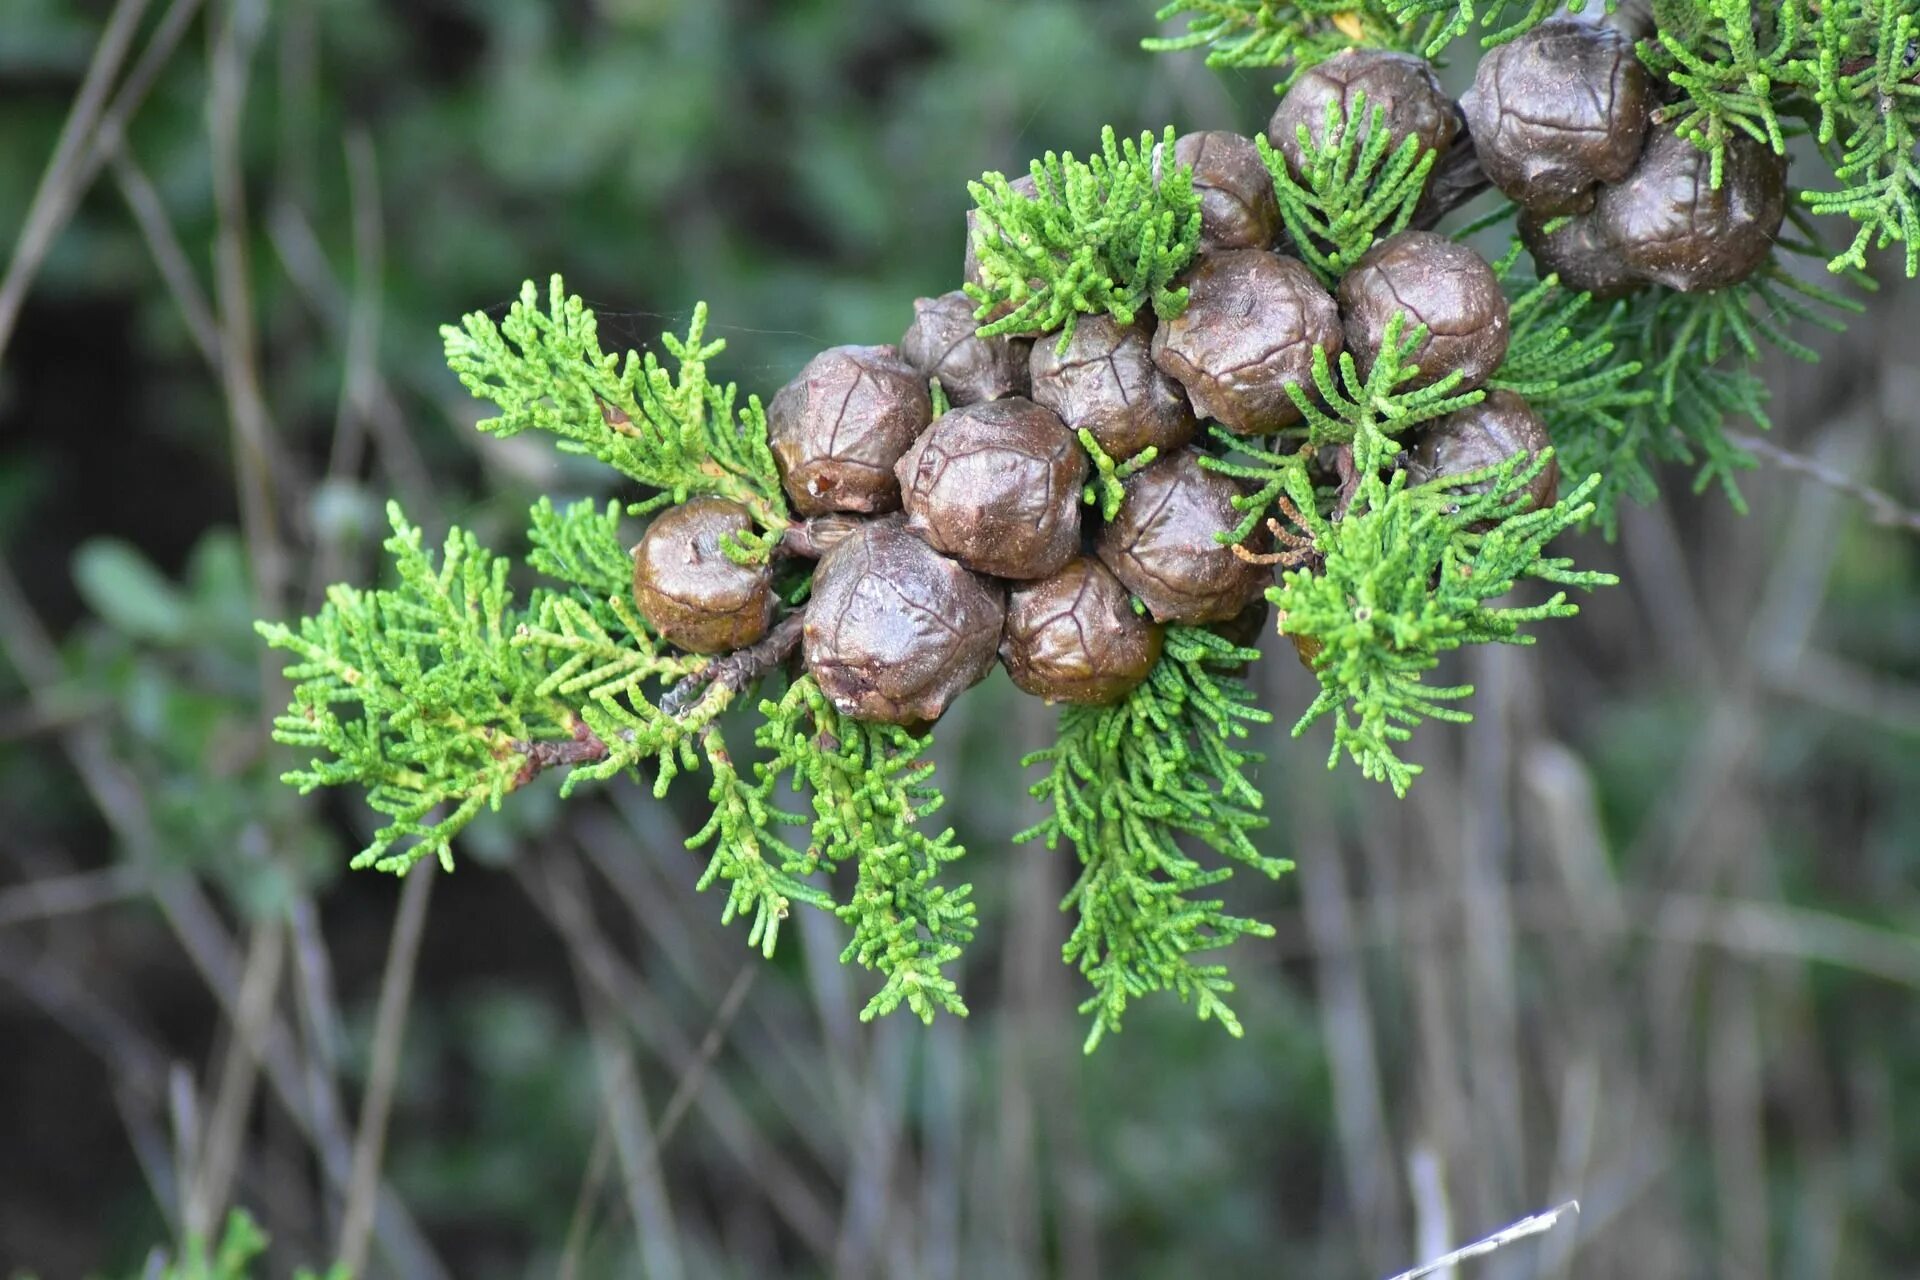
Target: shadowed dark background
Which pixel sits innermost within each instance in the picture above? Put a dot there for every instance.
(1646, 934)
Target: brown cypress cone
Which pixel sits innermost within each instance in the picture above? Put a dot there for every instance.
(1161, 543)
(1074, 636)
(687, 589)
(1579, 252)
(1238, 209)
(1485, 435)
(1252, 321)
(942, 343)
(894, 630)
(1404, 87)
(970, 264)
(1556, 112)
(1673, 228)
(838, 428)
(1106, 384)
(997, 487)
(1438, 282)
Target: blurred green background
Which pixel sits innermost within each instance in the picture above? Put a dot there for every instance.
(1646, 934)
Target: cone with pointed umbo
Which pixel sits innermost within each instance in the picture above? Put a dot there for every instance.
(1252, 322)
(1557, 112)
(997, 487)
(1485, 435)
(943, 343)
(1105, 383)
(1238, 208)
(1402, 87)
(1673, 227)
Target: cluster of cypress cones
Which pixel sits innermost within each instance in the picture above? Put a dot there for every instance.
(946, 542)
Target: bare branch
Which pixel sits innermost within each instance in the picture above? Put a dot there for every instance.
(1882, 508)
(1532, 1225)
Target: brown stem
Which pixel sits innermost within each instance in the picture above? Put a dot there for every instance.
(811, 539)
(584, 747)
(736, 670)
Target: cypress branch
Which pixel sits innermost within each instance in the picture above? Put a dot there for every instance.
(1123, 785)
(1404, 577)
(418, 694)
(678, 433)
(1107, 234)
(1352, 189)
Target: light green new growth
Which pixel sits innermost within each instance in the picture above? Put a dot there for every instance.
(1565, 357)
(1351, 191)
(1108, 234)
(869, 789)
(678, 433)
(418, 694)
(1404, 578)
(441, 694)
(1372, 413)
(1294, 35)
(1124, 784)
(1275, 33)
(1107, 487)
(1442, 21)
(1870, 120)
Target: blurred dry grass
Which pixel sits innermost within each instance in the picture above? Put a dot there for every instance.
(1645, 934)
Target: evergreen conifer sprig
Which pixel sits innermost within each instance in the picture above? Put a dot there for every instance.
(1848, 70)
(1354, 187)
(1870, 120)
(1124, 785)
(1293, 35)
(678, 433)
(1440, 22)
(1370, 414)
(1106, 487)
(1698, 358)
(418, 695)
(1106, 234)
(1404, 577)
(869, 788)
(443, 693)
(1569, 358)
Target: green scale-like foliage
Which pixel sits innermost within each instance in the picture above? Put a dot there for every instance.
(1353, 189)
(1405, 578)
(679, 434)
(1293, 35)
(442, 694)
(1104, 235)
(1124, 785)
(1399, 575)
(418, 694)
(1847, 71)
